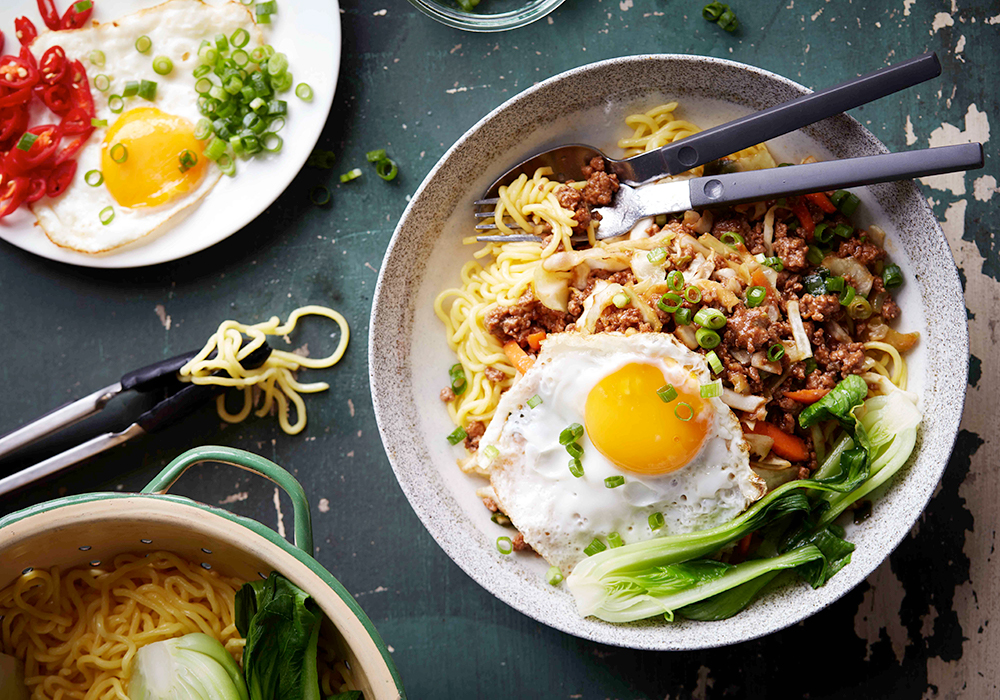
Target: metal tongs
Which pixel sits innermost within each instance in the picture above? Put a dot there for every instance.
(180, 399)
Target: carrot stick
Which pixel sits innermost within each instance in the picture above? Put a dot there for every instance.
(791, 447)
(518, 357)
(807, 395)
(821, 201)
(535, 340)
(801, 211)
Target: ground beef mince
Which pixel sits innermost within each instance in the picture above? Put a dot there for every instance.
(837, 358)
(613, 319)
(737, 224)
(600, 187)
(792, 252)
(519, 544)
(825, 307)
(821, 380)
(474, 431)
(447, 394)
(738, 373)
(789, 284)
(578, 296)
(527, 316)
(748, 329)
(864, 252)
(570, 198)
(889, 310)
(494, 375)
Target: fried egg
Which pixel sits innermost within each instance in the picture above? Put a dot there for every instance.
(147, 191)
(685, 460)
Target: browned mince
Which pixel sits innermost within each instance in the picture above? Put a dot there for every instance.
(526, 317)
(494, 375)
(598, 191)
(473, 431)
(447, 394)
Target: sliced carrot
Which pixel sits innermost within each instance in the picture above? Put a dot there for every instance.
(518, 357)
(821, 201)
(807, 395)
(759, 279)
(801, 211)
(791, 447)
(535, 340)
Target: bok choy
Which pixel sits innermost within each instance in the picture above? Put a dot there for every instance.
(679, 574)
(193, 667)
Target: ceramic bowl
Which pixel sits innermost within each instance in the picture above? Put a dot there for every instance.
(409, 358)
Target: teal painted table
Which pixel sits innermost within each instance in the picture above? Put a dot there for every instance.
(919, 627)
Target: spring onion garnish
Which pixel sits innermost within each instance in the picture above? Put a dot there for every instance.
(683, 317)
(187, 160)
(571, 434)
(458, 380)
(823, 233)
(835, 284)
(675, 280)
(26, 141)
(162, 65)
(304, 92)
(814, 284)
(692, 294)
(859, 309)
(892, 276)
(504, 545)
(107, 215)
(670, 302)
(657, 255)
(576, 468)
(203, 129)
(119, 153)
(667, 393)
(728, 21)
(775, 352)
(267, 8)
(683, 411)
(731, 239)
(215, 149)
(98, 123)
(721, 15)
(656, 521)
(239, 38)
(351, 175)
(554, 576)
(838, 197)
(319, 195)
(849, 204)
(814, 256)
(535, 401)
(83, 6)
(375, 156)
(594, 547)
(708, 317)
(713, 11)
(116, 104)
(131, 88)
(490, 452)
(774, 262)
(94, 178)
(575, 451)
(714, 362)
(707, 338)
(615, 540)
(756, 296)
(457, 435)
(271, 142)
(147, 90)
(102, 82)
(143, 44)
(847, 296)
(96, 58)
(711, 390)
(843, 230)
(386, 169)
(227, 165)
(621, 300)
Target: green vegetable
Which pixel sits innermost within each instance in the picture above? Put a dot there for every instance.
(192, 667)
(281, 625)
(12, 685)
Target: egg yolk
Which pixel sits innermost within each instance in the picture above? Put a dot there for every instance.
(633, 427)
(141, 158)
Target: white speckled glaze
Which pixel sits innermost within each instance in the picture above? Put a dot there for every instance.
(408, 356)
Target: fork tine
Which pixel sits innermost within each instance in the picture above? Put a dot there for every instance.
(487, 202)
(484, 214)
(487, 227)
(510, 238)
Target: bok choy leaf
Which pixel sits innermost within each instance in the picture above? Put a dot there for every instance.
(193, 667)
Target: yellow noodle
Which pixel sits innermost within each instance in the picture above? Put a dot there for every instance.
(275, 378)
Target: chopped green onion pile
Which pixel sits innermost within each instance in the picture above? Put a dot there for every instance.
(351, 175)
(721, 15)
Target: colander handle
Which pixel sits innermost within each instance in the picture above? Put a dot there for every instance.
(251, 463)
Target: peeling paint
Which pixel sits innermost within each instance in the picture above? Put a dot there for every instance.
(941, 20)
(907, 4)
(911, 136)
(884, 595)
(277, 509)
(984, 188)
(161, 313)
(324, 505)
(234, 498)
(977, 128)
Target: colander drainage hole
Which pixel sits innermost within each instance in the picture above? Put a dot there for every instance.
(84, 548)
(96, 562)
(206, 551)
(146, 541)
(205, 565)
(27, 571)
(261, 575)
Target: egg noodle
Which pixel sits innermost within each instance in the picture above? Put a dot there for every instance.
(78, 631)
(275, 379)
(501, 273)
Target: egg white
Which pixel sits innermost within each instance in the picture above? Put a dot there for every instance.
(558, 514)
(176, 29)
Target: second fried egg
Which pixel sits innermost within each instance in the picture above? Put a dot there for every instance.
(645, 460)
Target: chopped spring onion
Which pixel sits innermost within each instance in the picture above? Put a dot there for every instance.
(859, 309)
(386, 169)
(98, 123)
(774, 262)
(814, 256)
(892, 276)
(849, 204)
(707, 338)
(116, 104)
(823, 233)
(119, 153)
(267, 8)
(215, 149)
(241, 58)
(131, 88)
(775, 352)
(203, 86)
(571, 434)
(692, 294)
(504, 545)
(94, 178)
(221, 43)
(731, 239)
(535, 401)
(657, 255)
(576, 467)
(351, 175)
(319, 195)
(728, 21)
(143, 44)
(162, 65)
(304, 92)
(271, 142)
(107, 215)
(147, 90)
(375, 156)
(708, 317)
(239, 38)
(660, 220)
(96, 58)
(458, 379)
(102, 82)
(490, 452)
(756, 296)
(683, 317)
(554, 576)
(227, 165)
(187, 160)
(670, 302)
(843, 230)
(26, 141)
(835, 284)
(656, 521)
(594, 547)
(621, 300)
(711, 390)
(615, 540)
(713, 11)
(457, 435)
(814, 284)
(675, 280)
(714, 362)
(667, 393)
(321, 159)
(838, 197)
(574, 450)
(847, 296)
(683, 411)
(203, 129)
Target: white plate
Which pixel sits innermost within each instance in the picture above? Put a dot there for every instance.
(308, 31)
(409, 358)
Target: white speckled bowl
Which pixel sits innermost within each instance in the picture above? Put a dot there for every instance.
(409, 358)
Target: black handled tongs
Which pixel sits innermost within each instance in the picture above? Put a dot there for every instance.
(180, 400)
